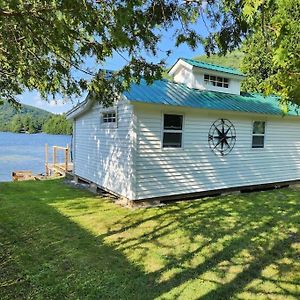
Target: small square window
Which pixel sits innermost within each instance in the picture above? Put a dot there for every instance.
(109, 117)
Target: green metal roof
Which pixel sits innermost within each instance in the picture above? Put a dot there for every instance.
(169, 93)
(212, 67)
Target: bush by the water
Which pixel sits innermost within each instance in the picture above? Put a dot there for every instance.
(57, 124)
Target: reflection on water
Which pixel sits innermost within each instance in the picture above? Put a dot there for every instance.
(20, 151)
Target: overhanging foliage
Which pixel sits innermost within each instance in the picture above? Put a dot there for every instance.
(44, 44)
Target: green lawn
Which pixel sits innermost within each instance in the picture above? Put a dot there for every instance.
(58, 242)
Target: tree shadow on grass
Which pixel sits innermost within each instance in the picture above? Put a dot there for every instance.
(254, 270)
(210, 249)
(265, 230)
(53, 257)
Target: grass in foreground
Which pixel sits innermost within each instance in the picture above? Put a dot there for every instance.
(58, 242)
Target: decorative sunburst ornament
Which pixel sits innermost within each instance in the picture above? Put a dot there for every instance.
(221, 137)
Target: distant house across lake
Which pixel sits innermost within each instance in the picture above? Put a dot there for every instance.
(195, 134)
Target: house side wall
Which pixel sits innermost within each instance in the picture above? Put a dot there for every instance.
(196, 168)
(195, 79)
(103, 151)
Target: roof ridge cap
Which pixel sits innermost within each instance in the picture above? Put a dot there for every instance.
(211, 64)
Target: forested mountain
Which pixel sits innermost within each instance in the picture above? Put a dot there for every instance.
(233, 59)
(31, 119)
(26, 119)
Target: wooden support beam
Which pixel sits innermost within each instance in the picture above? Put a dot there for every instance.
(54, 155)
(46, 159)
(66, 158)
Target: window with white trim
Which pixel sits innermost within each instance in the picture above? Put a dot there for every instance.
(216, 81)
(109, 117)
(258, 134)
(172, 131)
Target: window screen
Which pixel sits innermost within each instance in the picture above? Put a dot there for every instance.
(172, 140)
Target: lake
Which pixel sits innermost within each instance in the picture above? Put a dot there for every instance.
(20, 151)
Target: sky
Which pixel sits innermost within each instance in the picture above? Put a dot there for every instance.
(116, 62)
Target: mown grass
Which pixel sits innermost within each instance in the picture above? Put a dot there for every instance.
(57, 242)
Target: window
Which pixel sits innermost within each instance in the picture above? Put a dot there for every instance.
(258, 134)
(172, 131)
(109, 117)
(216, 81)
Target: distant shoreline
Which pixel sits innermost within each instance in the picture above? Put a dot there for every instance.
(32, 133)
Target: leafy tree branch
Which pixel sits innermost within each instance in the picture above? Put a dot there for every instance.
(44, 44)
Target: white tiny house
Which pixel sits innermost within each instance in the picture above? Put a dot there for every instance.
(181, 138)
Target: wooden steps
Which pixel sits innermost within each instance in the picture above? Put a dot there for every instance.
(25, 175)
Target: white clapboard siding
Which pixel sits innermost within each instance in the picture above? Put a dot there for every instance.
(195, 168)
(102, 151)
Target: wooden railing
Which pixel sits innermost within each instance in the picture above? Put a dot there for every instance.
(57, 166)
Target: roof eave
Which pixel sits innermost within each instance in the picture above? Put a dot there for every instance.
(179, 62)
(191, 66)
(79, 109)
(86, 105)
(214, 110)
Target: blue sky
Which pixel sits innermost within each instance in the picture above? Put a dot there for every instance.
(116, 62)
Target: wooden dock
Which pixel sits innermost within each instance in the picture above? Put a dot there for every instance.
(58, 167)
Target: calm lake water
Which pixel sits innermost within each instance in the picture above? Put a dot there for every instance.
(26, 151)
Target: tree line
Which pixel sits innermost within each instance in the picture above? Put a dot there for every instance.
(52, 124)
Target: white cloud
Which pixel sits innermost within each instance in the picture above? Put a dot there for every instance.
(57, 103)
(57, 106)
